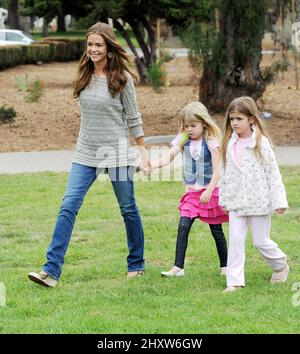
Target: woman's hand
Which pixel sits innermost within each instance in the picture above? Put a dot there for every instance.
(145, 164)
(146, 169)
(205, 196)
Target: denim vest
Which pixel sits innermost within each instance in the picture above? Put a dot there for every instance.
(199, 170)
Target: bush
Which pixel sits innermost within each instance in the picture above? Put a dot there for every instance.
(157, 76)
(63, 49)
(22, 82)
(10, 56)
(166, 56)
(7, 115)
(49, 49)
(35, 91)
(36, 52)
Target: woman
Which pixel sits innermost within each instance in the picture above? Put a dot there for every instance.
(108, 107)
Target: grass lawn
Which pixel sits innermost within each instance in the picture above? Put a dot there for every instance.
(94, 296)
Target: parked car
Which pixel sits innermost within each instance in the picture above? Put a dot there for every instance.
(10, 36)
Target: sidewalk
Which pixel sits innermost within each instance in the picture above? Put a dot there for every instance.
(60, 161)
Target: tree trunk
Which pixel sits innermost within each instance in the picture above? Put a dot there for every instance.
(140, 63)
(151, 37)
(32, 19)
(135, 25)
(234, 67)
(13, 15)
(61, 24)
(45, 27)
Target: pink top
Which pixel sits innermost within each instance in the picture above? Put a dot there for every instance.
(195, 148)
(239, 147)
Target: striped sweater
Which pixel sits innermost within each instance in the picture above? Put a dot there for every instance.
(106, 121)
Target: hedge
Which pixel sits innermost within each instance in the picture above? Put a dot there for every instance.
(49, 49)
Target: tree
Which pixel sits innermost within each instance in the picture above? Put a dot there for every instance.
(4, 4)
(141, 16)
(231, 66)
(13, 14)
(49, 9)
(77, 9)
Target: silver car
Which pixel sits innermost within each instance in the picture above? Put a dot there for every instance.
(13, 37)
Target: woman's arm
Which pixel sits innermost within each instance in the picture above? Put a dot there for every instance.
(132, 115)
(215, 159)
(145, 162)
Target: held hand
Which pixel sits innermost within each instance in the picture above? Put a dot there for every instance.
(145, 167)
(205, 196)
(146, 171)
(280, 211)
(145, 164)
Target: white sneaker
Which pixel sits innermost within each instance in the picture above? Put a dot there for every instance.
(223, 271)
(174, 272)
(231, 289)
(281, 276)
(42, 278)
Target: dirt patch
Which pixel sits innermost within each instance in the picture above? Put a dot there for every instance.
(53, 122)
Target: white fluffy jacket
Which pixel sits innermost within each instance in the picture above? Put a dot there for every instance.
(256, 187)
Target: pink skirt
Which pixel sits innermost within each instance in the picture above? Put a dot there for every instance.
(211, 213)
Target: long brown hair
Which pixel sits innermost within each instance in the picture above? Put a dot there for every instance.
(245, 105)
(118, 63)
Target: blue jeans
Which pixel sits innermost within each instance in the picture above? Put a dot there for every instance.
(80, 180)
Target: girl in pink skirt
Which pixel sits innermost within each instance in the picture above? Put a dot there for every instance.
(199, 141)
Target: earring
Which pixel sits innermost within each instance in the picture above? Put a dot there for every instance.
(109, 55)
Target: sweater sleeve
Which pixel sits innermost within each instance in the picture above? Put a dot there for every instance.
(132, 115)
(222, 185)
(277, 189)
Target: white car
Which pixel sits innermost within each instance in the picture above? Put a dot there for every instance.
(9, 37)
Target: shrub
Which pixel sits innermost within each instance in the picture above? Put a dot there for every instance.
(36, 52)
(49, 49)
(22, 82)
(166, 56)
(10, 56)
(7, 115)
(35, 91)
(63, 49)
(157, 76)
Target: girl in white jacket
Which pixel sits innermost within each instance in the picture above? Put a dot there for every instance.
(251, 189)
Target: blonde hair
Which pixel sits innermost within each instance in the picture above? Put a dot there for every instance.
(197, 112)
(245, 105)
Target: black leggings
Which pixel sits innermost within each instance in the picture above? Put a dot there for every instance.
(184, 227)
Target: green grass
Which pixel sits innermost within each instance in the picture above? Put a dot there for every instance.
(70, 34)
(94, 296)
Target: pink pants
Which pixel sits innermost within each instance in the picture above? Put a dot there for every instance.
(260, 229)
